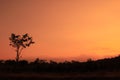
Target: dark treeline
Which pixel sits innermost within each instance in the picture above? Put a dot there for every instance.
(38, 66)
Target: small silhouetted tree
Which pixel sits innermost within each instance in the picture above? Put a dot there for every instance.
(19, 42)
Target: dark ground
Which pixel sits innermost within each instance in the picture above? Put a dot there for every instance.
(61, 76)
(104, 69)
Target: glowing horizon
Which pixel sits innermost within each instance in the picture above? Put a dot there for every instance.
(65, 30)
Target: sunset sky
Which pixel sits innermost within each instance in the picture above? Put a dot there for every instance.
(62, 29)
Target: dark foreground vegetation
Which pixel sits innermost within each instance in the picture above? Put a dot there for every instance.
(103, 69)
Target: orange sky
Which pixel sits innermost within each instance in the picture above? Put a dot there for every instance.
(62, 29)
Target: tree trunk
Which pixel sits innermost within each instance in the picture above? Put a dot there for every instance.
(17, 56)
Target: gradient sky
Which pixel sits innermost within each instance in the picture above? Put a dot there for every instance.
(62, 29)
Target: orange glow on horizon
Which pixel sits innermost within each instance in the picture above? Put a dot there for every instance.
(62, 30)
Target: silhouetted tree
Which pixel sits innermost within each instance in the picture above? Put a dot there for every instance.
(19, 42)
(36, 61)
(1, 61)
(23, 62)
(10, 62)
(89, 60)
